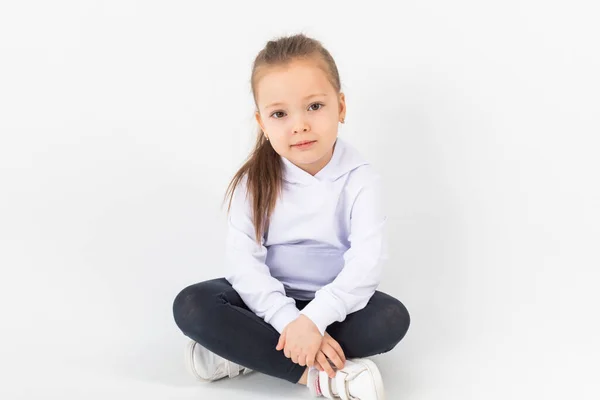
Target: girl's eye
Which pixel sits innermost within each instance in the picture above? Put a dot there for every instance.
(277, 115)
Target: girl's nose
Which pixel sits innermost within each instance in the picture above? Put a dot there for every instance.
(301, 126)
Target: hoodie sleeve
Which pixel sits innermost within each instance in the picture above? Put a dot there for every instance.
(351, 290)
(246, 269)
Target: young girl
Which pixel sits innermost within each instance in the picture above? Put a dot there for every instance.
(305, 245)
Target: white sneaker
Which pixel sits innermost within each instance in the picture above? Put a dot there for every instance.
(206, 366)
(358, 380)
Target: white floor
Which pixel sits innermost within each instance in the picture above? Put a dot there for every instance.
(156, 371)
(152, 371)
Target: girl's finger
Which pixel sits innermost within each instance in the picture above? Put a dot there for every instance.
(312, 355)
(333, 356)
(338, 349)
(325, 365)
(281, 342)
(302, 360)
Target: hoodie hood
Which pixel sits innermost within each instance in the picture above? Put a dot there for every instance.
(345, 158)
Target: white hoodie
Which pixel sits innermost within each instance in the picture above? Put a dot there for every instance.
(325, 243)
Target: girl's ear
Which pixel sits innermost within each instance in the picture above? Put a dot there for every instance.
(259, 120)
(342, 106)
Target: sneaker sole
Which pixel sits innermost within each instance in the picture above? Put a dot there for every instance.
(189, 361)
(379, 390)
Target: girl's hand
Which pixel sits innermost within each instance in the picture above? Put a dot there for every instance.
(300, 341)
(330, 349)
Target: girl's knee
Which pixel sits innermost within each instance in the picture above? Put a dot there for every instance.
(376, 331)
(189, 305)
(398, 322)
(184, 306)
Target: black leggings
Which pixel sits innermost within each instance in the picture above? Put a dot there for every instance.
(213, 314)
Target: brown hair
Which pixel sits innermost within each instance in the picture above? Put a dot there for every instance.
(263, 166)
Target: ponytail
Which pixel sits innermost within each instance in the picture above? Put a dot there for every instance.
(263, 168)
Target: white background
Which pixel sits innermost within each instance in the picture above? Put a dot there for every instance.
(122, 122)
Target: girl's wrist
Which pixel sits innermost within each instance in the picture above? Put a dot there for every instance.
(309, 322)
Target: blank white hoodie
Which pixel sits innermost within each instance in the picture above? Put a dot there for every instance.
(325, 243)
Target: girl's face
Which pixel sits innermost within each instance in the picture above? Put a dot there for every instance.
(296, 103)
